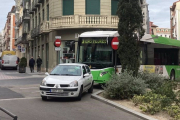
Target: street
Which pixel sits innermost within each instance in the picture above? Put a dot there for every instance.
(19, 94)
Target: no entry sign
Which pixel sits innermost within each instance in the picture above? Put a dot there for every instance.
(57, 43)
(115, 43)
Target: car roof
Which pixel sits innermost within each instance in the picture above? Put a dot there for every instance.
(80, 64)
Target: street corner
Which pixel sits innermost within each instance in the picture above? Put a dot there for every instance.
(97, 96)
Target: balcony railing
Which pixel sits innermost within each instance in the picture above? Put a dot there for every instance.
(29, 36)
(35, 32)
(37, 4)
(19, 22)
(40, 1)
(44, 27)
(25, 30)
(26, 16)
(85, 21)
(33, 6)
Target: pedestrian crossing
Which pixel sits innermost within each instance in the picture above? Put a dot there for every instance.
(9, 76)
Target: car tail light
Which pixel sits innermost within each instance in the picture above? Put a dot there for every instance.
(2, 61)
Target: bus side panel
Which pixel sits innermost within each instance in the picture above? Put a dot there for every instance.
(102, 75)
(170, 69)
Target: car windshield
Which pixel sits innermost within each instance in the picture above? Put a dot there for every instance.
(67, 70)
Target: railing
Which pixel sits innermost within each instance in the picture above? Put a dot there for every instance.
(36, 3)
(40, 1)
(90, 21)
(19, 22)
(26, 15)
(44, 27)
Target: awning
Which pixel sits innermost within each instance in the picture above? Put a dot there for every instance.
(160, 40)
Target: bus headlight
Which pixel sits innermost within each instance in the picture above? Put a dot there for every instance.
(103, 73)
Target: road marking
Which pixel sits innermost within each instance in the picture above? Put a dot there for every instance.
(28, 88)
(19, 99)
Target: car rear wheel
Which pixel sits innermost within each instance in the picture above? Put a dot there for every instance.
(2, 68)
(80, 94)
(90, 90)
(44, 98)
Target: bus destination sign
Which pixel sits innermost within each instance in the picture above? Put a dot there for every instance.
(94, 41)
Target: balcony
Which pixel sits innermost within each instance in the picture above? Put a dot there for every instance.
(25, 30)
(37, 4)
(40, 1)
(26, 16)
(21, 40)
(33, 6)
(19, 22)
(84, 21)
(44, 27)
(29, 36)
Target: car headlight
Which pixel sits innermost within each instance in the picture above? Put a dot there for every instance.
(74, 84)
(43, 83)
(103, 73)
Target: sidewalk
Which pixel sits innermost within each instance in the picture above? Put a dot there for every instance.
(35, 72)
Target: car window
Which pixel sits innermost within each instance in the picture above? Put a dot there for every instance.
(67, 70)
(84, 70)
(87, 69)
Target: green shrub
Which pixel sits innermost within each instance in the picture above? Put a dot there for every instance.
(23, 62)
(151, 102)
(173, 111)
(152, 80)
(124, 86)
(167, 89)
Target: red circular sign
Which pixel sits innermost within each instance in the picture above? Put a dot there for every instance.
(115, 43)
(57, 43)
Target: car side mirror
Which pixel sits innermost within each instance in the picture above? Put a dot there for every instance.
(47, 73)
(86, 75)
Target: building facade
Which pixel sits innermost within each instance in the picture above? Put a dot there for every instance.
(66, 19)
(145, 13)
(174, 20)
(163, 32)
(9, 31)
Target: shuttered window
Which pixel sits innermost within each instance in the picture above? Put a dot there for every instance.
(93, 7)
(114, 6)
(47, 12)
(68, 7)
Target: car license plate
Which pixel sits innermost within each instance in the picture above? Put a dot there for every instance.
(56, 90)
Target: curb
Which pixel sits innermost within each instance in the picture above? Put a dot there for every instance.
(120, 107)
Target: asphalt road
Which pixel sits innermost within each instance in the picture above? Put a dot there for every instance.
(19, 94)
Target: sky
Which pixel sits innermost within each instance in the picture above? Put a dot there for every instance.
(159, 11)
(5, 7)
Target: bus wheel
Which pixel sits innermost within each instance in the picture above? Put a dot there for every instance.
(172, 76)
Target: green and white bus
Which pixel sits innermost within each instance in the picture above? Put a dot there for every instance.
(158, 55)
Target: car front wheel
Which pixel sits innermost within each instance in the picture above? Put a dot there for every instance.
(80, 94)
(90, 90)
(44, 98)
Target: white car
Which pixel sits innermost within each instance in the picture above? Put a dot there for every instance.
(67, 80)
(9, 61)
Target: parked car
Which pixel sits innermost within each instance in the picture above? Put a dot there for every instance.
(67, 80)
(9, 61)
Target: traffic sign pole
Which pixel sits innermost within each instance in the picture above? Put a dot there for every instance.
(115, 45)
(57, 44)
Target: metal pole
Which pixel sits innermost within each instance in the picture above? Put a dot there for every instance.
(115, 60)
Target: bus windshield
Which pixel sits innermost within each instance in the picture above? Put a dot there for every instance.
(95, 51)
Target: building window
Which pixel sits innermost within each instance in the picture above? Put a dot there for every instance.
(43, 14)
(93, 7)
(68, 7)
(47, 12)
(114, 6)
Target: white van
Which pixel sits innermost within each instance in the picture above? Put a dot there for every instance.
(9, 61)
